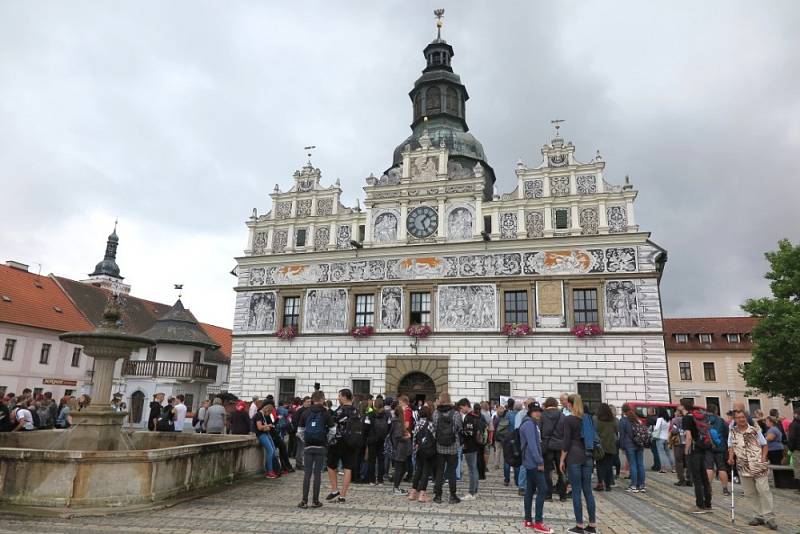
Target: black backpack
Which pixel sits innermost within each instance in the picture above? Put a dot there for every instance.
(353, 430)
(165, 423)
(445, 431)
(512, 449)
(425, 442)
(315, 431)
(380, 428)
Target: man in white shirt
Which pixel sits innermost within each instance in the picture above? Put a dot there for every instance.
(24, 418)
(180, 414)
(253, 408)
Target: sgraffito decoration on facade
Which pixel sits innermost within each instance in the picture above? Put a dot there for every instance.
(622, 310)
(534, 223)
(424, 168)
(279, 240)
(550, 304)
(391, 317)
(459, 224)
(464, 308)
(589, 221)
(304, 208)
(508, 225)
(261, 312)
(559, 186)
(258, 276)
(385, 230)
(260, 243)
(343, 237)
(586, 184)
(551, 262)
(324, 206)
(284, 210)
(326, 311)
(534, 189)
(617, 219)
(322, 237)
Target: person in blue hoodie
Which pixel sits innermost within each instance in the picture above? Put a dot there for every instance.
(533, 463)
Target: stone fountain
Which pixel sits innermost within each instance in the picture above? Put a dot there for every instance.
(96, 464)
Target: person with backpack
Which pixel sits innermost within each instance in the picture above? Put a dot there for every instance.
(315, 428)
(401, 448)
(472, 431)
(606, 425)
(299, 459)
(425, 451)
(719, 449)
(533, 462)
(698, 449)
(376, 436)
(634, 437)
(447, 428)
(347, 441)
(274, 419)
(577, 460)
(552, 425)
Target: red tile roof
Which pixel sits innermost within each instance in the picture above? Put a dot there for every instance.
(716, 326)
(221, 336)
(34, 301)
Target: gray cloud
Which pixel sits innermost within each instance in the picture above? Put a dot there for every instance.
(180, 117)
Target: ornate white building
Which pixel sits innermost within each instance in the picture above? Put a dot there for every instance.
(433, 245)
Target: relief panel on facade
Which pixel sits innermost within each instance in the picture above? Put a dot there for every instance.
(260, 243)
(324, 206)
(322, 237)
(622, 310)
(284, 210)
(534, 223)
(586, 185)
(304, 208)
(326, 311)
(391, 317)
(575, 261)
(279, 240)
(617, 219)
(589, 221)
(343, 237)
(508, 225)
(621, 260)
(424, 168)
(459, 223)
(258, 276)
(464, 308)
(385, 229)
(534, 189)
(550, 304)
(260, 313)
(559, 186)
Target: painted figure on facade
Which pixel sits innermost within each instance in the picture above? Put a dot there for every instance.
(385, 228)
(459, 224)
(261, 315)
(621, 306)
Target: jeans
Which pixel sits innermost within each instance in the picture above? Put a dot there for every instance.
(471, 458)
(664, 453)
(605, 471)
(551, 461)
(399, 471)
(522, 477)
(270, 458)
(702, 486)
(636, 463)
(580, 476)
(535, 479)
(656, 457)
(314, 462)
(375, 457)
(422, 471)
(445, 467)
(299, 456)
(458, 464)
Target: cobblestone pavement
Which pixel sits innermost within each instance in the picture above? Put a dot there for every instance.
(261, 505)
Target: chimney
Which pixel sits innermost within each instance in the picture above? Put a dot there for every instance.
(17, 265)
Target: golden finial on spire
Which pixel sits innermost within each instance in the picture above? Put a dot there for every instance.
(439, 14)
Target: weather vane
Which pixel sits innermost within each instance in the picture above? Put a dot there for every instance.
(179, 287)
(308, 150)
(439, 14)
(557, 124)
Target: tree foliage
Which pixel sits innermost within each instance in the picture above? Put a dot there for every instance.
(775, 369)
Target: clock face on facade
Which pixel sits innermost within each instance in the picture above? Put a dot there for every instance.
(422, 222)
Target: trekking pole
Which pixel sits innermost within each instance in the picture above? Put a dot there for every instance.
(733, 504)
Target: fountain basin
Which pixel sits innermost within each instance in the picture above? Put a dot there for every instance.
(161, 466)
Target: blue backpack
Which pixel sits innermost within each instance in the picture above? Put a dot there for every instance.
(316, 433)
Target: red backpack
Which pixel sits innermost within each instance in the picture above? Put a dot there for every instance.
(704, 440)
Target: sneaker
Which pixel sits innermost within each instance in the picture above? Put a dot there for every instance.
(340, 500)
(527, 524)
(590, 530)
(542, 528)
(341, 472)
(272, 474)
(285, 472)
(399, 491)
(423, 497)
(454, 499)
(316, 504)
(332, 495)
(303, 504)
(726, 492)
(468, 497)
(576, 530)
(437, 499)
(679, 483)
(413, 495)
(631, 489)
(506, 483)
(373, 483)
(772, 524)
(756, 521)
(642, 490)
(521, 492)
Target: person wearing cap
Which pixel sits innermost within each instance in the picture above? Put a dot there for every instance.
(533, 463)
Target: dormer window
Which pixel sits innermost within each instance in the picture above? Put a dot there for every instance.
(681, 338)
(733, 338)
(705, 338)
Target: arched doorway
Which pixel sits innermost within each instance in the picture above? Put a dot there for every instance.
(417, 387)
(137, 406)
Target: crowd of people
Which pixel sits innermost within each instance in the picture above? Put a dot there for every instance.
(27, 412)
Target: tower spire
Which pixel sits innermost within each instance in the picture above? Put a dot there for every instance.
(439, 23)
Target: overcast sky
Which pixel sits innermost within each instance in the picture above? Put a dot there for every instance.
(180, 117)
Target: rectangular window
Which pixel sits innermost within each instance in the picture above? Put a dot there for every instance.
(487, 224)
(197, 356)
(291, 311)
(516, 306)
(592, 395)
(361, 386)
(709, 373)
(753, 405)
(562, 219)
(300, 237)
(713, 401)
(37, 392)
(420, 308)
(44, 356)
(365, 310)
(76, 357)
(188, 400)
(499, 389)
(9, 352)
(585, 305)
(285, 390)
(362, 233)
(151, 354)
(733, 338)
(681, 338)
(705, 338)
(69, 392)
(686, 370)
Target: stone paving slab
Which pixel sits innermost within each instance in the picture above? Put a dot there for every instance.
(258, 506)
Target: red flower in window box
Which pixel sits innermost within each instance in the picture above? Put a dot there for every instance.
(418, 331)
(516, 329)
(362, 331)
(586, 330)
(287, 333)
